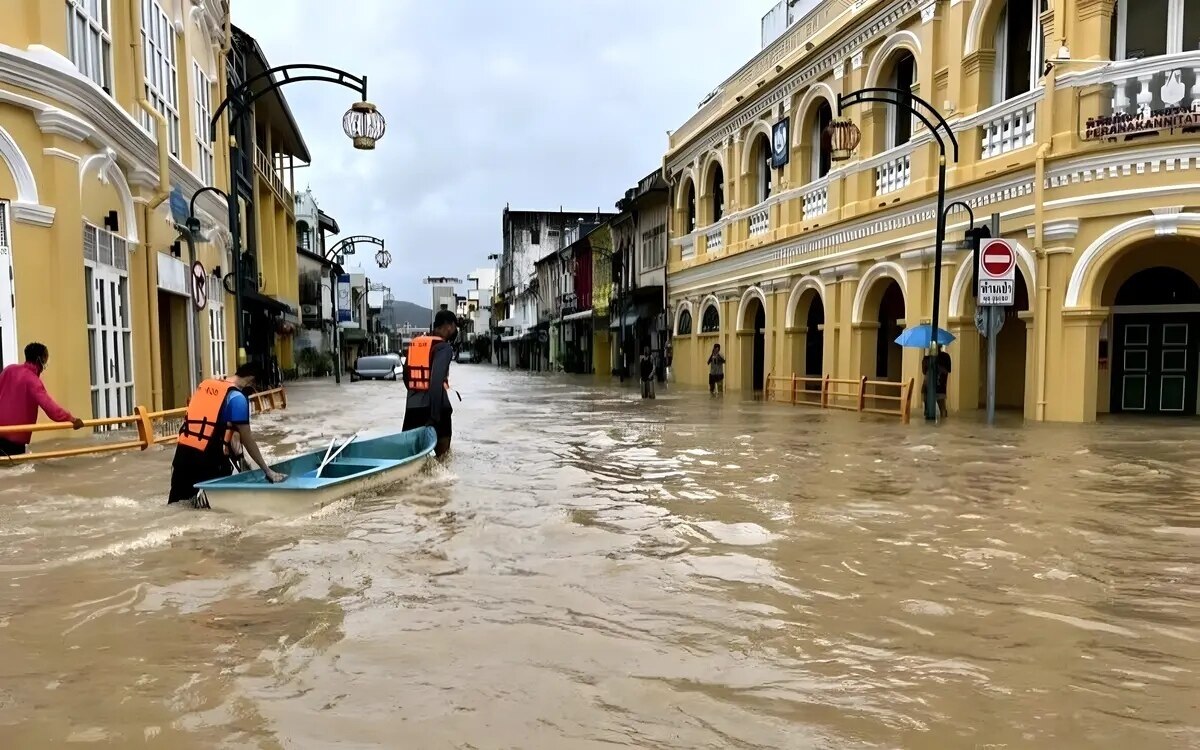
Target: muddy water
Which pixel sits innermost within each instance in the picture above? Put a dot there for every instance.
(590, 571)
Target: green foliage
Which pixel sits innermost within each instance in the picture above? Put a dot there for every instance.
(313, 363)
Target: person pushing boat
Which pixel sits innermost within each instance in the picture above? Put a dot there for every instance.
(217, 419)
(427, 377)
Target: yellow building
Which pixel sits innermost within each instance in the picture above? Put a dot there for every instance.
(104, 109)
(1077, 122)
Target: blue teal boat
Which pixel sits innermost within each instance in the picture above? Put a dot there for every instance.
(320, 477)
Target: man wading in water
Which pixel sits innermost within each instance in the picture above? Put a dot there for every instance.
(218, 416)
(427, 377)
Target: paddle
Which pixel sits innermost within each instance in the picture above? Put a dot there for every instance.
(329, 458)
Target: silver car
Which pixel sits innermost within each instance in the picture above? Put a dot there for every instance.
(379, 367)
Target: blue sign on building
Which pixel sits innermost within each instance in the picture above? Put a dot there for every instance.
(344, 312)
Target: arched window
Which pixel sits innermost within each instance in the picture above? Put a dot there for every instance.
(716, 187)
(899, 120)
(1019, 50)
(821, 157)
(685, 323)
(764, 174)
(691, 207)
(711, 322)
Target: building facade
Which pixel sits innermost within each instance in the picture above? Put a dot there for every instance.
(317, 278)
(1076, 123)
(639, 303)
(104, 111)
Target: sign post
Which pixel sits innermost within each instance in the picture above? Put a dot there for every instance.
(997, 290)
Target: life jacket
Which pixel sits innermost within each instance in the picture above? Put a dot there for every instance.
(202, 422)
(418, 368)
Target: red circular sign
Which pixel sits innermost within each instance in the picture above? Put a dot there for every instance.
(998, 259)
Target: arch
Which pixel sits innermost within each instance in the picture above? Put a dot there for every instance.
(744, 306)
(706, 165)
(683, 306)
(962, 278)
(711, 301)
(759, 129)
(18, 165)
(688, 176)
(1081, 288)
(982, 12)
(806, 104)
(105, 165)
(898, 40)
(886, 269)
(803, 285)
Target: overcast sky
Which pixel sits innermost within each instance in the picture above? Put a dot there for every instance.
(535, 103)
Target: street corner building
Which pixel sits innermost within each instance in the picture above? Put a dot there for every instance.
(1077, 122)
(105, 109)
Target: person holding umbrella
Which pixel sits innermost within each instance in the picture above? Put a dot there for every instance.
(939, 365)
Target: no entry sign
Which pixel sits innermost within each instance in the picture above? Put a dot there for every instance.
(997, 273)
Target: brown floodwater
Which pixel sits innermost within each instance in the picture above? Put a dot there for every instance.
(590, 570)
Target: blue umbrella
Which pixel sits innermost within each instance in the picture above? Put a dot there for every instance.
(918, 337)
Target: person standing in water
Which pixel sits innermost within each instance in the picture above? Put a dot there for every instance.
(646, 368)
(716, 370)
(427, 377)
(22, 392)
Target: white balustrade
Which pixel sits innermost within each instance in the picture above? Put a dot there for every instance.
(760, 222)
(893, 175)
(816, 201)
(1009, 128)
(687, 248)
(714, 239)
(1170, 90)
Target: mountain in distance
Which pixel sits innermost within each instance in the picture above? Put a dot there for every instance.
(409, 313)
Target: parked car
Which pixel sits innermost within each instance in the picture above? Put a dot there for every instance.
(377, 367)
(465, 356)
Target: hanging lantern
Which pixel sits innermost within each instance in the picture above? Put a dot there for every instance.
(383, 258)
(364, 125)
(841, 137)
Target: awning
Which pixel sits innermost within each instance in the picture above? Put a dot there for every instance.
(579, 315)
(264, 301)
(507, 323)
(510, 339)
(629, 319)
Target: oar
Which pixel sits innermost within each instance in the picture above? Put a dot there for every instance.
(327, 461)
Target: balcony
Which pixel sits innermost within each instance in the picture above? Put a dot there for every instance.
(1008, 126)
(1149, 95)
(759, 221)
(894, 174)
(687, 246)
(816, 199)
(265, 168)
(714, 239)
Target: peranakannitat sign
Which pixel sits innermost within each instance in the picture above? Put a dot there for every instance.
(1118, 125)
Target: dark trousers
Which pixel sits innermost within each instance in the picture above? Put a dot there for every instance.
(9, 448)
(192, 467)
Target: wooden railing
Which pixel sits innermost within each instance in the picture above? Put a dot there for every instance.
(153, 428)
(861, 395)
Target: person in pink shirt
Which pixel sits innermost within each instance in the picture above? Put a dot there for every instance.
(21, 393)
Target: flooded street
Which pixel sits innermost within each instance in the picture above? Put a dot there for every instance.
(589, 570)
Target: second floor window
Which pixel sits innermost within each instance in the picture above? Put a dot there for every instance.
(654, 248)
(162, 79)
(1154, 27)
(89, 39)
(205, 164)
(1019, 50)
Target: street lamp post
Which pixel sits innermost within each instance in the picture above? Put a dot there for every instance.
(843, 137)
(362, 123)
(346, 247)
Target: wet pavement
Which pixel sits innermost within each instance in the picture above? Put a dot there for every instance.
(590, 570)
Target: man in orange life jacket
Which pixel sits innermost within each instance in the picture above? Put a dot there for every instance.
(426, 375)
(217, 412)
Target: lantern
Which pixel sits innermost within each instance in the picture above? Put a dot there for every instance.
(383, 258)
(841, 137)
(364, 125)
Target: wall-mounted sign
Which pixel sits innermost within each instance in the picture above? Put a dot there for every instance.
(781, 139)
(173, 275)
(199, 285)
(1119, 125)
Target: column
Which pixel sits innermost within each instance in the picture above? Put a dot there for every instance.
(965, 375)
(1076, 367)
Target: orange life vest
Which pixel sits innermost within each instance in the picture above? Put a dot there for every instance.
(201, 423)
(418, 368)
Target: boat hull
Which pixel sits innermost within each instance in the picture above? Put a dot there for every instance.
(363, 466)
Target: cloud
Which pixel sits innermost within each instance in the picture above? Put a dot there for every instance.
(537, 103)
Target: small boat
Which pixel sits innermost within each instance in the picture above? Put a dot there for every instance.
(318, 478)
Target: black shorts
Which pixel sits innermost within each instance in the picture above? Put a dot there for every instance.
(191, 467)
(9, 448)
(714, 379)
(419, 417)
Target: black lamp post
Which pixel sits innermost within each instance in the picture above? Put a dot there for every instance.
(843, 137)
(362, 123)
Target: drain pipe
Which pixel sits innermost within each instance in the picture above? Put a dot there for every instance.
(1039, 245)
(156, 200)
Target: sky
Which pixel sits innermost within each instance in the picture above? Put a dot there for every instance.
(534, 103)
